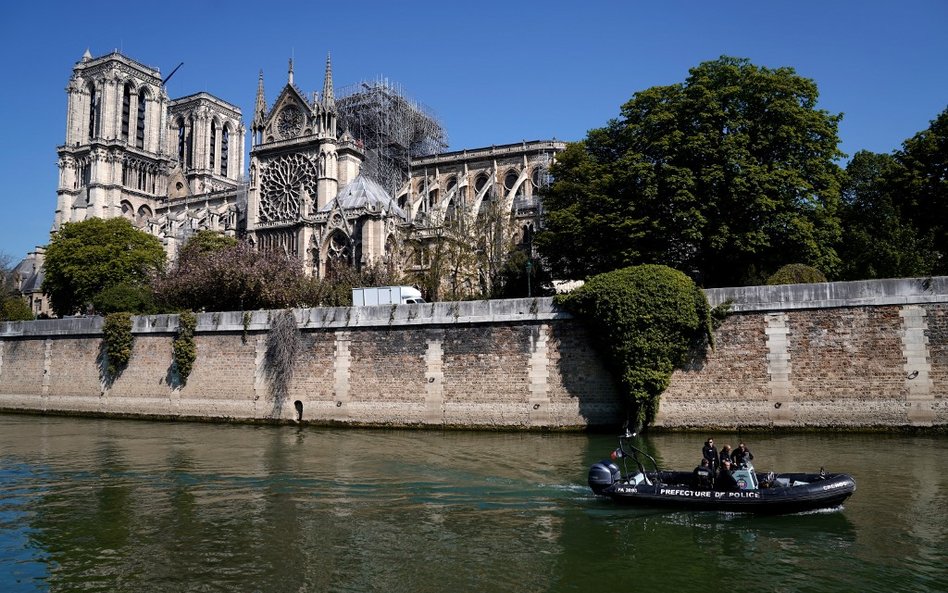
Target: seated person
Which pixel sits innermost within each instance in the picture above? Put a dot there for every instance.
(726, 454)
(704, 475)
(725, 480)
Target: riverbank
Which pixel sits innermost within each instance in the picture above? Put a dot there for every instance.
(846, 356)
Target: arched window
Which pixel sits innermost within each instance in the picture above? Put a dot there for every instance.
(181, 139)
(480, 182)
(128, 211)
(213, 145)
(93, 111)
(190, 143)
(140, 119)
(225, 149)
(126, 110)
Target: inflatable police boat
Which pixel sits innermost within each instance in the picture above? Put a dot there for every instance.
(750, 491)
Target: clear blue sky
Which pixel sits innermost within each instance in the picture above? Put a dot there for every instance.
(493, 71)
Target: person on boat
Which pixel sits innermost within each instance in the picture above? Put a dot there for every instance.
(725, 480)
(742, 455)
(726, 454)
(710, 453)
(704, 476)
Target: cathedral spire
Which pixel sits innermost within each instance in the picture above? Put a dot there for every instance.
(290, 75)
(329, 99)
(260, 107)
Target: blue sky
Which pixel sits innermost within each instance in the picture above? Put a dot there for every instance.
(493, 71)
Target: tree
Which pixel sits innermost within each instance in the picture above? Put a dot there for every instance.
(796, 274)
(879, 238)
(922, 186)
(726, 176)
(205, 241)
(83, 258)
(234, 278)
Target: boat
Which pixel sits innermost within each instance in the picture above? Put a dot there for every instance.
(644, 484)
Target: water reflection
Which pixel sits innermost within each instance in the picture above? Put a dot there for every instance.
(98, 505)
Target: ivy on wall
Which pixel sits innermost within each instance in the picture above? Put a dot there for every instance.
(117, 341)
(646, 321)
(184, 350)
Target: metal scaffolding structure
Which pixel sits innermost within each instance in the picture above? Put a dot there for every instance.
(392, 127)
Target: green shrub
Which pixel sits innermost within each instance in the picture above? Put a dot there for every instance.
(184, 350)
(117, 339)
(796, 274)
(14, 309)
(646, 321)
(134, 298)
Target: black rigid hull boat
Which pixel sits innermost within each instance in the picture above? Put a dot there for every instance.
(751, 492)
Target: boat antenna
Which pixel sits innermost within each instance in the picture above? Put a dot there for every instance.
(172, 73)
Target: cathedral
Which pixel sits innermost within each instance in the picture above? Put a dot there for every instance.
(331, 179)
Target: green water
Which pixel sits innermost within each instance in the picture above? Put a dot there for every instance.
(107, 505)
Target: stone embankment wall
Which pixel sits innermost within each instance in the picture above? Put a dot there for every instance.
(490, 364)
(848, 355)
(844, 354)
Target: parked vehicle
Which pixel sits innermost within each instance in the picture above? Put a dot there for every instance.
(385, 295)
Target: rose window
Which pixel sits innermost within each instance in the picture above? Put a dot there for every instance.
(283, 185)
(290, 121)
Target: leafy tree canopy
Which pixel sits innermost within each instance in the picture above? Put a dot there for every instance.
(646, 320)
(726, 176)
(880, 238)
(83, 258)
(204, 242)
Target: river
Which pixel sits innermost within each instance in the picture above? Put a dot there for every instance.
(138, 506)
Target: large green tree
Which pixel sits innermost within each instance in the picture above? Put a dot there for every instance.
(727, 176)
(85, 258)
(922, 186)
(878, 240)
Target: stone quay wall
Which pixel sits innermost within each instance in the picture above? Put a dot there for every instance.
(849, 355)
(516, 363)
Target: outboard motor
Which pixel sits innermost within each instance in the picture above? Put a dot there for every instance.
(602, 475)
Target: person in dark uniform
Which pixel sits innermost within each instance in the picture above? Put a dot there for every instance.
(742, 455)
(704, 476)
(725, 481)
(726, 454)
(710, 453)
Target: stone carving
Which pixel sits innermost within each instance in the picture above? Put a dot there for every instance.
(290, 122)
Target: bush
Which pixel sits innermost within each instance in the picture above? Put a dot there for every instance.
(117, 339)
(796, 274)
(184, 350)
(14, 309)
(646, 321)
(128, 297)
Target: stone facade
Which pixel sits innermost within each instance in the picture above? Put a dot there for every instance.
(170, 166)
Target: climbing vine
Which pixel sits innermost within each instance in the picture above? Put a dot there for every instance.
(184, 350)
(646, 321)
(117, 340)
(283, 346)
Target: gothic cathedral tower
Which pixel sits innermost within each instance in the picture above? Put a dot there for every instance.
(298, 163)
(113, 162)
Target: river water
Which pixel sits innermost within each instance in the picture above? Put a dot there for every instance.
(113, 505)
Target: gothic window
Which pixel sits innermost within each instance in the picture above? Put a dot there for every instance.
(126, 110)
(338, 253)
(93, 111)
(282, 185)
(127, 210)
(181, 139)
(480, 182)
(290, 121)
(140, 119)
(213, 154)
(189, 143)
(510, 180)
(225, 149)
(144, 213)
(432, 199)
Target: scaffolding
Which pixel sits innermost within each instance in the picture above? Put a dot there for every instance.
(393, 128)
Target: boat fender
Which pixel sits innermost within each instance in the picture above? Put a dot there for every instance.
(602, 475)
